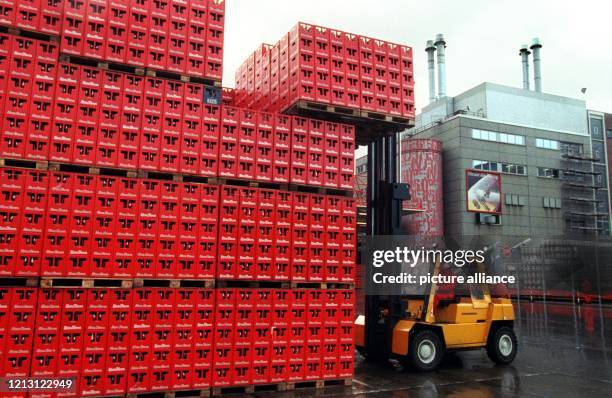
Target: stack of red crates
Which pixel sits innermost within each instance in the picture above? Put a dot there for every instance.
(328, 66)
(60, 224)
(113, 340)
(175, 35)
(77, 114)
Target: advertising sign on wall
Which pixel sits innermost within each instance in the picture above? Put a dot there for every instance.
(483, 190)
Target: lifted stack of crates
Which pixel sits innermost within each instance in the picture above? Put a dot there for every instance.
(314, 67)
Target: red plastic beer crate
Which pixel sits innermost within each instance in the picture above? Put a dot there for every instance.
(192, 129)
(87, 116)
(206, 266)
(148, 225)
(131, 118)
(57, 225)
(137, 38)
(228, 232)
(247, 144)
(51, 17)
(153, 111)
(247, 233)
(299, 150)
(214, 39)
(283, 236)
(117, 31)
(172, 126)
(96, 21)
(282, 148)
(407, 81)
(110, 119)
(12, 184)
(30, 239)
(73, 27)
(229, 141)
(209, 144)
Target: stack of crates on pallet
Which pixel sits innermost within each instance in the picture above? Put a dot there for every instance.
(184, 37)
(113, 340)
(328, 67)
(67, 113)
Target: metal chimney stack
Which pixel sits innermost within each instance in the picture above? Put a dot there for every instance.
(524, 53)
(430, 49)
(537, 71)
(440, 47)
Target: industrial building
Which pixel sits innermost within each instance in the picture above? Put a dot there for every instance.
(548, 150)
(541, 146)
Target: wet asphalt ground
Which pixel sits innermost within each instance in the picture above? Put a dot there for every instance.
(565, 350)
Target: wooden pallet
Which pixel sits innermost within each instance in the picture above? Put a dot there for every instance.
(369, 125)
(32, 34)
(174, 283)
(23, 163)
(253, 284)
(250, 183)
(94, 170)
(197, 393)
(88, 282)
(318, 384)
(30, 281)
(248, 389)
(160, 175)
(164, 74)
(348, 193)
(321, 285)
(102, 64)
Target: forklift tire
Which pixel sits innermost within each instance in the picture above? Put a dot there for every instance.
(426, 350)
(501, 345)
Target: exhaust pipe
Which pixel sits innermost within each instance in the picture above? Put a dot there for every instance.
(440, 47)
(430, 49)
(524, 53)
(537, 71)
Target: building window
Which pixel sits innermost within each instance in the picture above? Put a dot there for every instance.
(547, 144)
(571, 148)
(598, 150)
(548, 172)
(515, 200)
(504, 138)
(508, 168)
(362, 168)
(551, 203)
(596, 127)
(609, 133)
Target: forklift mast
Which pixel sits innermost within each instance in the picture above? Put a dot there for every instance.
(384, 213)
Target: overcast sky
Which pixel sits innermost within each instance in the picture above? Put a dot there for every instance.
(483, 38)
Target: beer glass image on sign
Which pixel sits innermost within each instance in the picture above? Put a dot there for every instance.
(483, 192)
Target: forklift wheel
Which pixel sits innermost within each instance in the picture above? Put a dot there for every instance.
(501, 346)
(426, 350)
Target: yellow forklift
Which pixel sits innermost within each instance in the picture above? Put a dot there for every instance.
(419, 330)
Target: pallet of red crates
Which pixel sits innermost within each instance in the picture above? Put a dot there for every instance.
(178, 37)
(316, 69)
